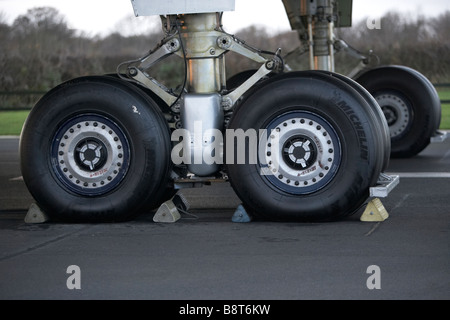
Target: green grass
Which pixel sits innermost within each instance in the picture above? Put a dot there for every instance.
(445, 121)
(444, 94)
(11, 122)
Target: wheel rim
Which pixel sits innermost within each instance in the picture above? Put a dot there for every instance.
(397, 110)
(301, 154)
(90, 155)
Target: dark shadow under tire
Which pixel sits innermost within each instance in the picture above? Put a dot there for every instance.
(95, 149)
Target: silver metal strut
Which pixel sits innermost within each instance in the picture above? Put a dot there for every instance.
(195, 34)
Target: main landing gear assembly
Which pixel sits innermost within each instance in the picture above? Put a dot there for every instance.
(298, 146)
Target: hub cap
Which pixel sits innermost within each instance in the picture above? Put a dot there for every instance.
(90, 155)
(397, 111)
(299, 152)
(302, 152)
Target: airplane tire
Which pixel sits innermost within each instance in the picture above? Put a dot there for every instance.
(95, 149)
(410, 104)
(239, 78)
(327, 156)
(383, 127)
(170, 191)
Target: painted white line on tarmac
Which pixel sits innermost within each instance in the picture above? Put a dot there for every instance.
(422, 174)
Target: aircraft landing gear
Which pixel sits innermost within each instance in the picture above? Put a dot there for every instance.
(104, 148)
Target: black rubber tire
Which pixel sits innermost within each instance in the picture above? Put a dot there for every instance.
(431, 91)
(377, 113)
(141, 135)
(414, 91)
(349, 119)
(239, 78)
(170, 189)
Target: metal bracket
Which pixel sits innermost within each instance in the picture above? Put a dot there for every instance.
(164, 50)
(228, 42)
(196, 182)
(153, 85)
(385, 185)
(223, 42)
(231, 98)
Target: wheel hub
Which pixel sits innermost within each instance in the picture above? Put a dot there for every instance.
(299, 152)
(302, 153)
(390, 114)
(397, 112)
(91, 155)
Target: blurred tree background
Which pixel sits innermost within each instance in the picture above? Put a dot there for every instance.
(39, 50)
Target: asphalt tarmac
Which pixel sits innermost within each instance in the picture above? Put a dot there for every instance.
(206, 256)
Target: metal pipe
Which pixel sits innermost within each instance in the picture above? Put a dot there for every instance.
(310, 43)
(331, 44)
(204, 69)
(321, 48)
(204, 76)
(201, 110)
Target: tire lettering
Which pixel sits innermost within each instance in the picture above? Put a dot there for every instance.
(363, 145)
